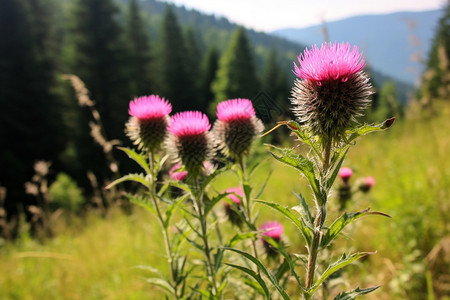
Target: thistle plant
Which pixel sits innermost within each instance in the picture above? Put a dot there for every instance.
(331, 92)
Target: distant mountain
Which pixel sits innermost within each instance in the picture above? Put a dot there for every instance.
(392, 43)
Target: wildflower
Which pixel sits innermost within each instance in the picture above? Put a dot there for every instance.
(148, 122)
(236, 195)
(189, 141)
(273, 230)
(345, 174)
(333, 90)
(366, 184)
(176, 173)
(236, 127)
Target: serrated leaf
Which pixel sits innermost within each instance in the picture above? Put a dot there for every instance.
(161, 283)
(288, 214)
(339, 264)
(302, 164)
(139, 178)
(255, 275)
(261, 267)
(139, 158)
(350, 295)
(343, 221)
(302, 135)
(366, 128)
(142, 202)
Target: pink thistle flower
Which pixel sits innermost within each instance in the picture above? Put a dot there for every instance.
(189, 123)
(236, 127)
(330, 62)
(235, 109)
(176, 174)
(272, 229)
(190, 141)
(333, 92)
(149, 107)
(148, 122)
(366, 184)
(345, 174)
(236, 194)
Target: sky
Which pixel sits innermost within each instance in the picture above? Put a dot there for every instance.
(270, 15)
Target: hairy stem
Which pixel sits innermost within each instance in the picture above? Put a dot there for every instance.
(167, 244)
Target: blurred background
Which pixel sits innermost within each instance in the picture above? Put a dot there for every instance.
(63, 236)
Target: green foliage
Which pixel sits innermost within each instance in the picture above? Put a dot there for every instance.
(65, 193)
(236, 76)
(388, 104)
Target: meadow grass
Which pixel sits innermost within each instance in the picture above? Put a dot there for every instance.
(98, 259)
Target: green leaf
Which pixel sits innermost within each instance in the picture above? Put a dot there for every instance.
(339, 264)
(333, 176)
(263, 186)
(161, 283)
(262, 269)
(142, 202)
(254, 285)
(366, 128)
(171, 208)
(302, 164)
(343, 221)
(350, 295)
(255, 275)
(303, 210)
(240, 237)
(303, 135)
(139, 178)
(213, 202)
(288, 214)
(139, 158)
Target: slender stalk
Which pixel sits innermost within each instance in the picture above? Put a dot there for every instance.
(167, 245)
(246, 201)
(320, 217)
(200, 209)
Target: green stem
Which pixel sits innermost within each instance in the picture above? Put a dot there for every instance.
(167, 245)
(320, 217)
(246, 202)
(200, 209)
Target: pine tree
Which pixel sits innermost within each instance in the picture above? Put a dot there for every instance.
(174, 79)
(236, 74)
(193, 62)
(138, 42)
(28, 123)
(210, 65)
(98, 59)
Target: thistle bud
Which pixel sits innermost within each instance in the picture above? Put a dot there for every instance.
(236, 195)
(147, 125)
(366, 184)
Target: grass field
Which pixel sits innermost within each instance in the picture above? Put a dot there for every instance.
(97, 258)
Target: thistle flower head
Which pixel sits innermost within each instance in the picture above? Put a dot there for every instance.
(272, 229)
(234, 110)
(345, 174)
(366, 184)
(176, 173)
(329, 63)
(236, 127)
(190, 142)
(333, 90)
(149, 107)
(148, 122)
(235, 194)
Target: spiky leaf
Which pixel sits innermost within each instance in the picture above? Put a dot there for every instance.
(139, 158)
(350, 295)
(256, 276)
